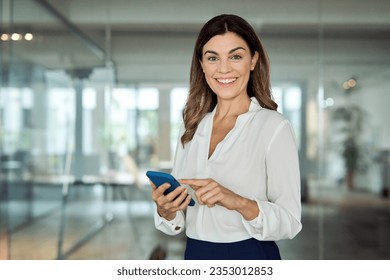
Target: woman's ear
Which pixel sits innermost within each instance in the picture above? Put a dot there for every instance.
(255, 57)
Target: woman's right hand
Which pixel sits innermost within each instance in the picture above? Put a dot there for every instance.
(168, 205)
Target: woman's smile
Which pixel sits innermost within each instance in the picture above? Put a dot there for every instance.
(227, 81)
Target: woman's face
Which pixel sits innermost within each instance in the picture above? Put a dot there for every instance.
(227, 63)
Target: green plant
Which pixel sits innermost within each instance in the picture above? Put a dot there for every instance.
(350, 119)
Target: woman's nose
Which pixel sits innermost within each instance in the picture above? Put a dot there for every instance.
(224, 66)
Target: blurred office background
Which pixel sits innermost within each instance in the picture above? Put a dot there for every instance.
(91, 93)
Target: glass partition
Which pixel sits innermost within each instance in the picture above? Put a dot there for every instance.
(42, 80)
(353, 193)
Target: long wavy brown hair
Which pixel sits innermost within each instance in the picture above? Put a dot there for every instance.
(202, 99)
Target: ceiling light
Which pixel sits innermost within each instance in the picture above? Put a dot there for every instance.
(28, 37)
(16, 37)
(351, 83)
(5, 37)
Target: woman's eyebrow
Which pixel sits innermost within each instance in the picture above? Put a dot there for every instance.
(231, 51)
(236, 49)
(211, 52)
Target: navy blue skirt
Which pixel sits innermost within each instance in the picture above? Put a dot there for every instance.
(250, 249)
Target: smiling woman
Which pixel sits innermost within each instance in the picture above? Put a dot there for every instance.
(227, 72)
(202, 99)
(234, 148)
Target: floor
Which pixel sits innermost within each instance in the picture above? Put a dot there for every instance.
(337, 224)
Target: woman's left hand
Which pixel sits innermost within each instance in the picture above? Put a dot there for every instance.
(209, 192)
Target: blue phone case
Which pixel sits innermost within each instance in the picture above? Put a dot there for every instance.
(158, 178)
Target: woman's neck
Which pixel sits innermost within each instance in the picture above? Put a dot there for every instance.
(232, 108)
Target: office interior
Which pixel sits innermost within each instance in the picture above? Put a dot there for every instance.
(91, 96)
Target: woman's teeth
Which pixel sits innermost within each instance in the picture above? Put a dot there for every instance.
(226, 81)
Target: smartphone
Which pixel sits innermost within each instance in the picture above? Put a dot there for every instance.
(158, 178)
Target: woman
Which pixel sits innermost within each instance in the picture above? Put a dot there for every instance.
(236, 153)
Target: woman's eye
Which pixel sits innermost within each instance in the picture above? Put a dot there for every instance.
(236, 57)
(212, 58)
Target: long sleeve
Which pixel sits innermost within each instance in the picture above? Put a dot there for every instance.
(176, 225)
(173, 227)
(280, 216)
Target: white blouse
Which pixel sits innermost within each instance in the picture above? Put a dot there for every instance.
(258, 160)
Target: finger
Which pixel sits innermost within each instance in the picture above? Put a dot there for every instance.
(158, 193)
(211, 197)
(195, 188)
(195, 184)
(180, 202)
(162, 188)
(212, 187)
(181, 199)
(178, 195)
(175, 193)
(185, 203)
(214, 200)
(153, 185)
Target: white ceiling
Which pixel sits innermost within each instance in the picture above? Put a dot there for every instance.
(152, 41)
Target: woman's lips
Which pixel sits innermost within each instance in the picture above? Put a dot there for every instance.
(226, 81)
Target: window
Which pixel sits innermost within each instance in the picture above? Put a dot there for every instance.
(178, 99)
(289, 99)
(60, 120)
(134, 122)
